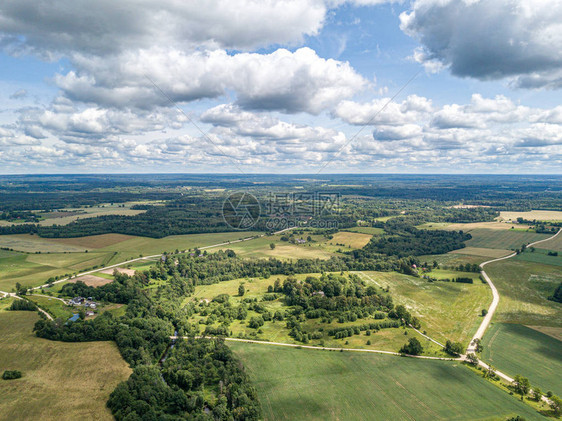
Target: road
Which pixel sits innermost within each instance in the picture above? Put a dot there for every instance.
(496, 296)
(323, 348)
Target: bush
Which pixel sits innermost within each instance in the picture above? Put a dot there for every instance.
(11, 374)
(23, 305)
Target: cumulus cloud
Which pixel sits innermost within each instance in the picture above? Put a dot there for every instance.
(282, 80)
(490, 39)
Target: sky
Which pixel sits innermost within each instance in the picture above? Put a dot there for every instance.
(281, 86)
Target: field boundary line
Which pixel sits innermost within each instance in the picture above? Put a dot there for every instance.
(323, 348)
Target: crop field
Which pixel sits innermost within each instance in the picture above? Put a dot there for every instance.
(482, 252)
(553, 332)
(354, 240)
(488, 225)
(33, 243)
(35, 269)
(504, 239)
(539, 215)
(524, 288)
(321, 385)
(63, 381)
(554, 244)
(366, 230)
(540, 256)
(517, 349)
(447, 310)
(259, 247)
(70, 215)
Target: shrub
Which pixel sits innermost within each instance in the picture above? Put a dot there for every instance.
(11, 374)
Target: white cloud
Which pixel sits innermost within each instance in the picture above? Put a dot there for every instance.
(282, 80)
(490, 39)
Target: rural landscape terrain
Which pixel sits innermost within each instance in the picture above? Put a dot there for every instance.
(344, 297)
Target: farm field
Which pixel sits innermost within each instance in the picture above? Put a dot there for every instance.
(554, 332)
(63, 381)
(540, 256)
(539, 215)
(34, 269)
(504, 239)
(447, 310)
(366, 230)
(554, 244)
(321, 385)
(482, 252)
(517, 349)
(524, 288)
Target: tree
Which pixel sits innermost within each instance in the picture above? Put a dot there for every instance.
(453, 348)
(522, 385)
(241, 290)
(272, 246)
(537, 393)
(478, 345)
(489, 373)
(556, 404)
(484, 312)
(472, 359)
(413, 347)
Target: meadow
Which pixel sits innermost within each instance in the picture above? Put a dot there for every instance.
(322, 385)
(276, 331)
(63, 381)
(447, 310)
(539, 215)
(502, 239)
(540, 256)
(517, 349)
(524, 288)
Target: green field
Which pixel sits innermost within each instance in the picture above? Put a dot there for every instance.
(554, 244)
(517, 349)
(447, 310)
(524, 288)
(67, 255)
(53, 306)
(300, 384)
(540, 256)
(502, 239)
(62, 381)
(366, 230)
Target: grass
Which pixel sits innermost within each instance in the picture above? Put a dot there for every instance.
(482, 252)
(67, 255)
(64, 218)
(366, 230)
(554, 244)
(385, 339)
(517, 349)
(447, 310)
(53, 306)
(63, 381)
(321, 385)
(539, 215)
(524, 288)
(540, 256)
(502, 239)
(355, 240)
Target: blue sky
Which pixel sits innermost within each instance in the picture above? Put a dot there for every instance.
(281, 86)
